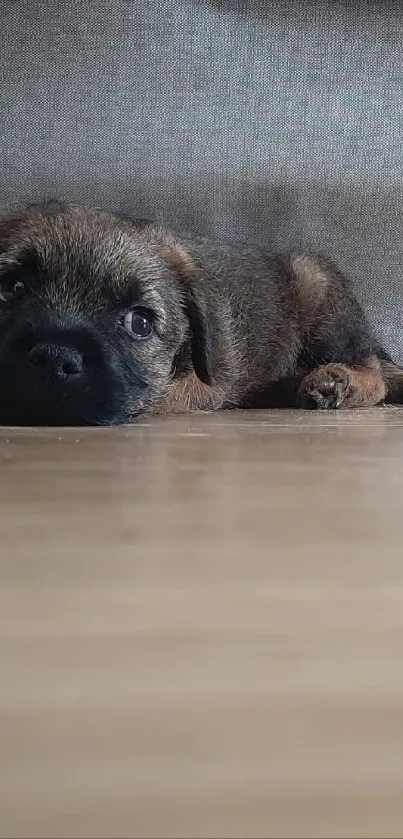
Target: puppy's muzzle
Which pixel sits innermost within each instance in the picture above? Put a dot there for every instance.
(59, 376)
(57, 361)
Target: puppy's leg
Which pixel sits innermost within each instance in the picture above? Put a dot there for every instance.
(341, 386)
(339, 353)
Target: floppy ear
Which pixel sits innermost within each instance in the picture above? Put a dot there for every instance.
(202, 336)
(203, 324)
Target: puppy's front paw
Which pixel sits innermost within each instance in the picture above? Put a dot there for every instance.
(325, 388)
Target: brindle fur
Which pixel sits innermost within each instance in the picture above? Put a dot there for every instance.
(235, 325)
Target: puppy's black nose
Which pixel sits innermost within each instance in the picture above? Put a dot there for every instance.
(58, 360)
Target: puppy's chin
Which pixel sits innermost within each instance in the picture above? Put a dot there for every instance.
(27, 402)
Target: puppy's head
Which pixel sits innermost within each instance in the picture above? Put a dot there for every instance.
(97, 316)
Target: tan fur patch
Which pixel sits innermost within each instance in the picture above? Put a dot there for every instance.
(174, 253)
(367, 387)
(312, 283)
(187, 393)
(313, 279)
(178, 259)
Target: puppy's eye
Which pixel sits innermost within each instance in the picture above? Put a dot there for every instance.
(139, 323)
(11, 290)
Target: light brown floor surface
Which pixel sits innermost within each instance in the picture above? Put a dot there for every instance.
(201, 628)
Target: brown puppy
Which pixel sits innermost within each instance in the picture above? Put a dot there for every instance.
(104, 318)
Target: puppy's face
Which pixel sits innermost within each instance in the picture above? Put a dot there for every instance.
(96, 318)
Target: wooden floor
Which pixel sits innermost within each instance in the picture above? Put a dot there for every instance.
(201, 628)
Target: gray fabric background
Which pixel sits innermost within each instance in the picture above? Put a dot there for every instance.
(280, 122)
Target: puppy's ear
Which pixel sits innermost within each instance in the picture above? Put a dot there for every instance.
(203, 325)
(202, 337)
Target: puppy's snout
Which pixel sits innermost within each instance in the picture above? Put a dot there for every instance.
(62, 362)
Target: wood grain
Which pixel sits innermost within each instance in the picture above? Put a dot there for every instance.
(201, 628)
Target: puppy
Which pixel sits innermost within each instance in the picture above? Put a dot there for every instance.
(104, 318)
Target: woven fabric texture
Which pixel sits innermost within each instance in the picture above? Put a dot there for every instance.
(279, 122)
